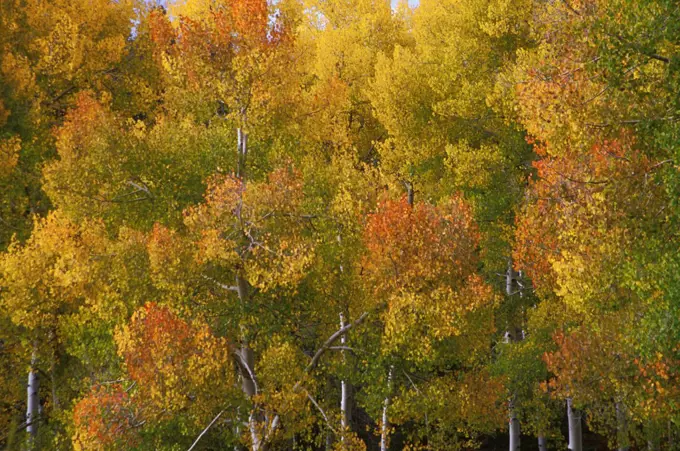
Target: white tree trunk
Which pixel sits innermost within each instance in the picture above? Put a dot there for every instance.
(254, 433)
(344, 390)
(542, 443)
(513, 429)
(511, 336)
(247, 356)
(247, 372)
(242, 149)
(384, 429)
(575, 433)
(33, 400)
(248, 384)
(509, 276)
(249, 387)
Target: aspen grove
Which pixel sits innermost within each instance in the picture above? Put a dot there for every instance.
(339, 225)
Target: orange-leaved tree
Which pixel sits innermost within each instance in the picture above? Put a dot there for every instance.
(421, 265)
(257, 237)
(106, 418)
(178, 364)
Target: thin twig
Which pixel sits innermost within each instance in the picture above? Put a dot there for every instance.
(332, 339)
(205, 430)
(325, 417)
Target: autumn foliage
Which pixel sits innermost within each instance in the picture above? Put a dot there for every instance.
(173, 360)
(106, 418)
(258, 228)
(339, 224)
(414, 246)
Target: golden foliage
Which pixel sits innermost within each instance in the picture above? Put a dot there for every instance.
(178, 364)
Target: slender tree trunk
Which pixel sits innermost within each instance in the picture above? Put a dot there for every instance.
(575, 433)
(247, 372)
(345, 387)
(621, 428)
(247, 378)
(345, 407)
(247, 356)
(410, 193)
(509, 277)
(513, 429)
(542, 443)
(242, 146)
(511, 336)
(384, 429)
(33, 401)
(248, 386)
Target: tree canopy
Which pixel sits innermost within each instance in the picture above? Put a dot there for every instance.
(339, 224)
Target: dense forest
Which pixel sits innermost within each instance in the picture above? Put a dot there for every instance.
(339, 225)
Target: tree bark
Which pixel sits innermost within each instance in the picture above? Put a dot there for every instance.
(509, 277)
(384, 428)
(33, 401)
(514, 432)
(247, 372)
(575, 432)
(247, 357)
(249, 387)
(248, 384)
(511, 336)
(345, 407)
(242, 149)
(542, 443)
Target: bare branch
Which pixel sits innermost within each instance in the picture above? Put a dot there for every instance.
(272, 428)
(140, 187)
(342, 331)
(325, 417)
(411, 381)
(205, 430)
(220, 284)
(661, 163)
